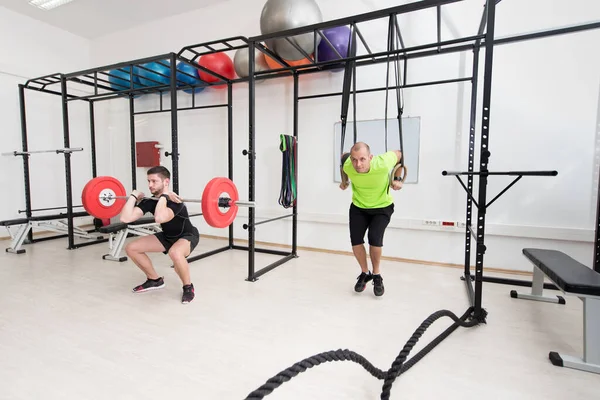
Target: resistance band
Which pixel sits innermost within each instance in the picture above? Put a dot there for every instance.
(289, 173)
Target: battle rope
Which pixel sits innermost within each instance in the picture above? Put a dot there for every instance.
(398, 366)
(289, 174)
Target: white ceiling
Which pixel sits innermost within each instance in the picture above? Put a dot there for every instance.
(95, 18)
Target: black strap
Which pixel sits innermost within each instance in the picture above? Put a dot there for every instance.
(349, 74)
(393, 39)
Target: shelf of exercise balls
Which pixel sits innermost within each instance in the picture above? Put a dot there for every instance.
(124, 79)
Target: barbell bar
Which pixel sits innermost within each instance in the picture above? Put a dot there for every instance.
(57, 151)
(225, 203)
(105, 197)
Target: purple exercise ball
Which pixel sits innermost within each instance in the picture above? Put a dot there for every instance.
(339, 38)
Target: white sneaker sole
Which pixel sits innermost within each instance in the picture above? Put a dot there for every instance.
(149, 289)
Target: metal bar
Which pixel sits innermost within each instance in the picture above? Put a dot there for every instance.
(230, 145)
(220, 41)
(265, 251)
(119, 65)
(207, 254)
(295, 207)
(93, 139)
(504, 191)
(485, 154)
(470, 229)
(272, 266)
(301, 50)
(57, 151)
(439, 24)
(174, 133)
(47, 209)
(402, 9)
(469, 192)
(67, 155)
(85, 244)
(596, 262)
(48, 91)
(471, 160)
(26, 176)
(181, 109)
(266, 221)
(362, 39)
(251, 159)
(514, 282)
(484, 172)
(547, 33)
(412, 85)
(470, 290)
(132, 155)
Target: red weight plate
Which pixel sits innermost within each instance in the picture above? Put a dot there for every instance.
(103, 185)
(210, 202)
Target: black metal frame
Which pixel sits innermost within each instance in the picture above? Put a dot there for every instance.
(484, 39)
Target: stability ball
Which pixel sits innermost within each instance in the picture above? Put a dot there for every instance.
(241, 62)
(156, 73)
(119, 78)
(340, 38)
(184, 70)
(219, 63)
(279, 15)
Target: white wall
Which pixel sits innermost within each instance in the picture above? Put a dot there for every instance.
(35, 49)
(544, 116)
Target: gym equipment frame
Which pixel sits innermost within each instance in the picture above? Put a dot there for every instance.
(485, 39)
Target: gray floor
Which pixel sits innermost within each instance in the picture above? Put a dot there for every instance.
(70, 328)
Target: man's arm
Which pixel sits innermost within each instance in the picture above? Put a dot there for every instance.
(398, 155)
(130, 212)
(163, 214)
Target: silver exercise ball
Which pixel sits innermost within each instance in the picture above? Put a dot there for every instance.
(240, 62)
(280, 15)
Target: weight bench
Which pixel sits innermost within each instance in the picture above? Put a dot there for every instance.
(54, 223)
(575, 279)
(120, 231)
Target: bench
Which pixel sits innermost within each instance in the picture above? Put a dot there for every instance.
(119, 231)
(575, 279)
(54, 222)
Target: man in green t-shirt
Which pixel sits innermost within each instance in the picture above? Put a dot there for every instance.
(371, 208)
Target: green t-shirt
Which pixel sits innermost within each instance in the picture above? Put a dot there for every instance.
(370, 189)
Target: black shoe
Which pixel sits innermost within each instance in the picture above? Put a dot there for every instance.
(361, 283)
(378, 288)
(150, 284)
(188, 294)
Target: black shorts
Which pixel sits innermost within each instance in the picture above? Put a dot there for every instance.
(375, 220)
(167, 242)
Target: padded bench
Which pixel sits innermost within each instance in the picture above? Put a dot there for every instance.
(575, 279)
(119, 231)
(53, 222)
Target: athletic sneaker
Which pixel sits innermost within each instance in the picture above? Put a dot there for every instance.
(378, 288)
(361, 283)
(150, 284)
(188, 293)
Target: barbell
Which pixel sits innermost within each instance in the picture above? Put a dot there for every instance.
(105, 197)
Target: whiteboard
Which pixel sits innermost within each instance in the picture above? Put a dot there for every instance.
(373, 133)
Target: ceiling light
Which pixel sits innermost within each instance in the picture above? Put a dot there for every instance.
(48, 4)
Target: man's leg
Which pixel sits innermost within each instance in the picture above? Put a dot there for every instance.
(377, 229)
(375, 254)
(178, 253)
(136, 250)
(359, 222)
